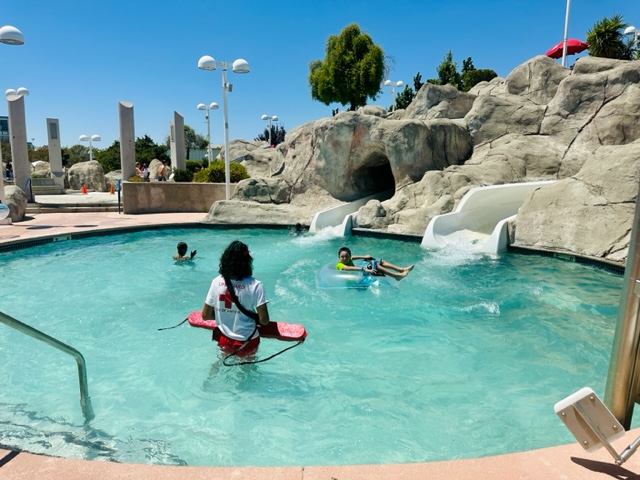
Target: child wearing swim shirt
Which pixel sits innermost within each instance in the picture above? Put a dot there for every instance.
(377, 267)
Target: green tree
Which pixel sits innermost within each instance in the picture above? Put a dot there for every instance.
(351, 72)
(40, 153)
(417, 82)
(192, 140)
(6, 152)
(146, 150)
(404, 98)
(75, 154)
(448, 71)
(109, 158)
(471, 78)
(605, 39)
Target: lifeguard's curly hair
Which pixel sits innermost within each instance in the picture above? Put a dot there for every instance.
(235, 262)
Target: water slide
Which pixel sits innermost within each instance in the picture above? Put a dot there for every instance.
(481, 218)
(339, 218)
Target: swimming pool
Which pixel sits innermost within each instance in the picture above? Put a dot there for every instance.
(465, 359)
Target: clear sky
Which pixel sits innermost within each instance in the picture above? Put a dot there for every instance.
(80, 58)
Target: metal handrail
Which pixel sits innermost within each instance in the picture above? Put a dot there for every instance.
(24, 188)
(85, 400)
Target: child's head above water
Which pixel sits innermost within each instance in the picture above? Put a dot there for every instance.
(182, 249)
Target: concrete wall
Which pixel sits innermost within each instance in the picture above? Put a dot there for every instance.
(170, 197)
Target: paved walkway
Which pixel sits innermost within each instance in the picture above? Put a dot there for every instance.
(566, 462)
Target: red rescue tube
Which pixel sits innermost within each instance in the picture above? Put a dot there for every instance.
(287, 332)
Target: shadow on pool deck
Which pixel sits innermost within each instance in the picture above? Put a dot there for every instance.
(565, 462)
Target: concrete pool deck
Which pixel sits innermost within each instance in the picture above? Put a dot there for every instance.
(564, 462)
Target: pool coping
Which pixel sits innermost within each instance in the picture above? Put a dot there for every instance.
(562, 462)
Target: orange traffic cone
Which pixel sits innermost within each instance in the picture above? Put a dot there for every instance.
(112, 190)
(84, 189)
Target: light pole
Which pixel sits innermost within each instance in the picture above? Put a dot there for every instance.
(11, 36)
(393, 85)
(90, 139)
(566, 32)
(631, 30)
(240, 65)
(211, 106)
(270, 118)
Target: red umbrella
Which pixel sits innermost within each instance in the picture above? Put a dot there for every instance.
(573, 46)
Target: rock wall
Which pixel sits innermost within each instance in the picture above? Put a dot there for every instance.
(541, 122)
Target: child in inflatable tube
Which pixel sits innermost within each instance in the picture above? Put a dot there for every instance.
(237, 330)
(375, 267)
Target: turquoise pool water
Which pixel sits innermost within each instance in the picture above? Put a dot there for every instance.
(465, 359)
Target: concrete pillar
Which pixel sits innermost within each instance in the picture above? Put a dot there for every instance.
(2, 173)
(127, 140)
(55, 151)
(18, 140)
(176, 141)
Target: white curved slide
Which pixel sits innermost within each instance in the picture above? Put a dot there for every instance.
(339, 218)
(481, 218)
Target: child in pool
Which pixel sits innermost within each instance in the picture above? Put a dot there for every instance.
(182, 253)
(376, 267)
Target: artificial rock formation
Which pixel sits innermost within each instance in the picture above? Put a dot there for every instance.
(89, 174)
(541, 122)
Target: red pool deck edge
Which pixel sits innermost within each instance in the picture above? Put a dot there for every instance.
(566, 462)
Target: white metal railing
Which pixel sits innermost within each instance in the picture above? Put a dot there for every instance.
(85, 400)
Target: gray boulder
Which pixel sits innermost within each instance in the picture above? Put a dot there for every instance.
(17, 201)
(89, 174)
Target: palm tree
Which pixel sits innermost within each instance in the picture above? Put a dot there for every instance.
(605, 39)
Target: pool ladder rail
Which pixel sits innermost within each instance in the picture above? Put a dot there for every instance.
(85, 400)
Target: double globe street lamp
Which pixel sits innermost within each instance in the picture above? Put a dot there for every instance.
(90, 139)
(240, 65)
(393, 85)
(211, 106)
(269, 119)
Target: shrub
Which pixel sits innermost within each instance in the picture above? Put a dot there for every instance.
(194, 165)
(214, 173)
(136, 178)
(180, 175)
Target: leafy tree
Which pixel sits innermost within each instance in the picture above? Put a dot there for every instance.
(40, 153)
(417, 82)
(404, 98)
(605, 39)
(146, 150)
(109, 158)
(448, 71)
(473, 77)
(277, 135)
(191, 140)
(74, 154)
(351, 72)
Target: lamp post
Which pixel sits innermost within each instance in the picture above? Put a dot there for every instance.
(90, 139)
(566, 33)
(240, 65)
(631, 30)
(206, 108)
(270, 118)
(11, 36)
(393, 85)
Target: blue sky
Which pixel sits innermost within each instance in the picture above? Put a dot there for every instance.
(80, 57)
